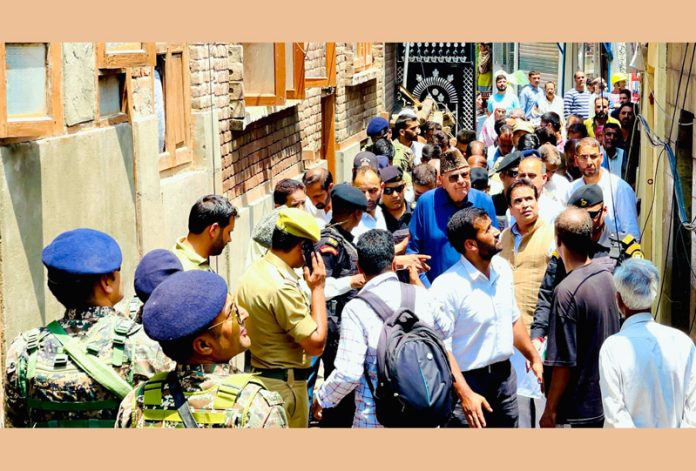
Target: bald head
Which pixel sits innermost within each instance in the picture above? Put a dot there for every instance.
(574, 231)
(534, 169)
(476, 148)
(477, 161)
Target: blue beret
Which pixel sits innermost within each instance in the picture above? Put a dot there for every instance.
(376, 126)
(83, 252)
(152, 270)
(391, 174)
(183, 304)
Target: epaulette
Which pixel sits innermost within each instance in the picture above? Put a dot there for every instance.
(327, 249)
(332, 242)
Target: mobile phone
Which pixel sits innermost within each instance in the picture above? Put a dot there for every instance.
(307, 251)
(403, 275)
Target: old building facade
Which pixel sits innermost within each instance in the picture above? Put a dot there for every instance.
(124, 137)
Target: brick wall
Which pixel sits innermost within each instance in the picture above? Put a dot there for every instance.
(389, 75)
(355, 104)
(310, 108)
(263, 150)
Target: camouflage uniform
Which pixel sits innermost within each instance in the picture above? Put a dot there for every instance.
(36, 399)
(251, 407)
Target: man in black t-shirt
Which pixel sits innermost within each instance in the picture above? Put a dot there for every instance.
(583, 314)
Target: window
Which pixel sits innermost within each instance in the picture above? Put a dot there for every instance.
(119, 55)
(294, 71)
(30, 89)
(326, 75)
(173, 105)
(273, 72)
(112, 102)
(362, 56)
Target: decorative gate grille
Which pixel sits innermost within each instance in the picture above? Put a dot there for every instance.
(443, 71)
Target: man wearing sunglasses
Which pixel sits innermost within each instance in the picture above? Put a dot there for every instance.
(428, 226)
(506, 168)
(397, 212)
(197, 325)
(604, 244)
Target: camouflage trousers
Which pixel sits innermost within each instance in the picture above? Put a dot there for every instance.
(295, 398)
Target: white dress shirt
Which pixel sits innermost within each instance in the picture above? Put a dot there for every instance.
(557, 188)
(549, 209)
(321, 216)
(647, 374)
(369, 222)
(480, 310)
(361, 328)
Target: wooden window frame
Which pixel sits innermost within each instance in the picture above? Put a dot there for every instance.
(173, 157)
(362, 57)
(120, 60)
(278, 97)
(124, 115)
(298, 69)
(41, 126)
(330, 79)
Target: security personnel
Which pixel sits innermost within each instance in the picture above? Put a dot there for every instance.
(197, 325)
(343, 280)
(284, 331)
(153, 269)
(606, 244)
(75, 371)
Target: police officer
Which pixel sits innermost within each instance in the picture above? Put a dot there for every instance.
(153, 269)
(606, 244)
(343, 280)
(75, 371)
(196, 323)
(284, 331)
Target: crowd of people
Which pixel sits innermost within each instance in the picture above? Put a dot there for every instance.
(522, 247)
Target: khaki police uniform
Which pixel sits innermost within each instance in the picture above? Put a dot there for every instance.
(279, 317)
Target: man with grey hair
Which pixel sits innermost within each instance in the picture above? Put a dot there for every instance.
(647, 371)
(556, 186)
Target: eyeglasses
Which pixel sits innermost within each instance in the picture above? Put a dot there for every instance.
(454, 178)
(233, 310)
(510, 173)
(594, 214)
(394, 189)
(531, 176)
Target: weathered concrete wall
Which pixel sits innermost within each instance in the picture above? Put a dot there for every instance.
(53, 185)
(79, 83)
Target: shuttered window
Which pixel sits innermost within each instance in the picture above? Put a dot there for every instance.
(543, 57)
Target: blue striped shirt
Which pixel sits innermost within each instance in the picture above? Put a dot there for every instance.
(575, 102)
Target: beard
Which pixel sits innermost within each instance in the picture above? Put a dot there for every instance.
(601, 116)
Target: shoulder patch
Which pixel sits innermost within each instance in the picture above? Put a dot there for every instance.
(331, 241)
(555, 254)
(272, 398)
(325, 249)
(628, 240)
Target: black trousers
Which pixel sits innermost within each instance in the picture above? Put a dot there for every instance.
(498, 384)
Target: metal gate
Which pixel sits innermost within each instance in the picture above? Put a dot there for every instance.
(443, 71)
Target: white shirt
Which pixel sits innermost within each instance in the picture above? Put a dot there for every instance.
(369, 222)
(647, 374)
(417, 148)
(480, 310)
(543, 105)
(357, 348)
(557, 188)
(619, 196)
(321, 216)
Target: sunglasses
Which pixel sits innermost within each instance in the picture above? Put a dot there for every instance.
(233, 310)
(454, 178)
(594, 214)
(395, 189)
(511, 173)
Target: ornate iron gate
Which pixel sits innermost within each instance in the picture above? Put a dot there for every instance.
(445, 71)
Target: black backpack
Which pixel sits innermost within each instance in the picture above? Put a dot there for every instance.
(414, 379)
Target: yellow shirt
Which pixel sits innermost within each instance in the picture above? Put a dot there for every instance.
(589, 125)
(279, 314)
(189, 258)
